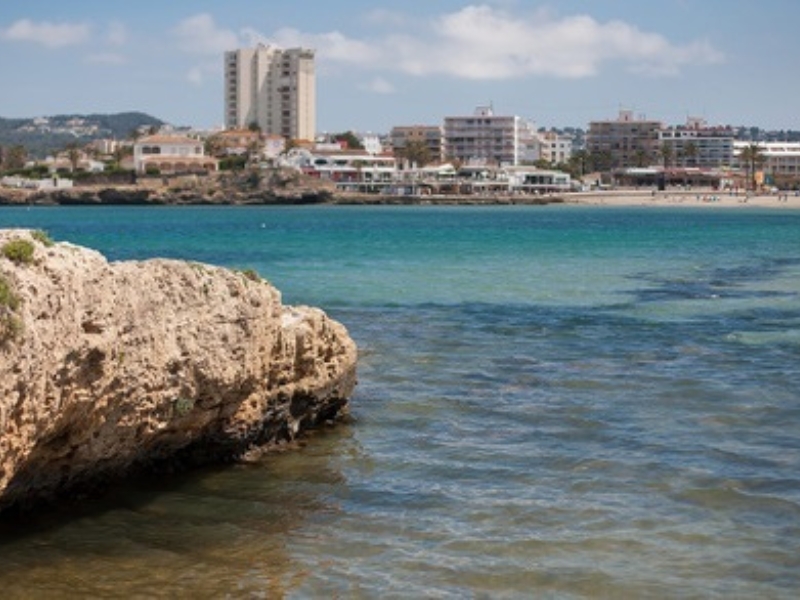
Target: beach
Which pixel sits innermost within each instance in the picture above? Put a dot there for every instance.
(690, 197)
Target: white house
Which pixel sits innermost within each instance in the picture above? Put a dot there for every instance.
(171, 154)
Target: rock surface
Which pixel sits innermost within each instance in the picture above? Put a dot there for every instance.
(111, 367)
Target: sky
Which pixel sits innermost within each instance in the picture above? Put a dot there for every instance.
(380, 64)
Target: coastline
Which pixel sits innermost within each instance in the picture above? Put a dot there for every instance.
(131, 195)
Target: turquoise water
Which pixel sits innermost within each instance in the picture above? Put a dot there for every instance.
(560, 401)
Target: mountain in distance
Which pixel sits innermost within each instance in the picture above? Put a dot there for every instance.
(45, 135)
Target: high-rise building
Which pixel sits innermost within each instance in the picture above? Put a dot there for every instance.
(272, 88)
(698, 145)
(429, 137)
(627, 141)
(484, 137)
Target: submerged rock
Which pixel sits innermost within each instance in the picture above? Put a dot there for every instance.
(112, 367)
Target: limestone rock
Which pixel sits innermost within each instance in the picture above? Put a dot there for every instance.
(109, 367)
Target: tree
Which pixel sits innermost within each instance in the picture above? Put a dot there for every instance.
(15, 158)
(753, 157)
(577, 164)
(666, 153)
(349, 139)
(74, 156)
(640, 158)
(690, 152)
(415, 152)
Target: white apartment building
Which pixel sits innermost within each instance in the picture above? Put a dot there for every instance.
(429, 136)
(698, 145)
(486, 138)
(627, 141)
(780, 160)
(272, 88)
(555, 148)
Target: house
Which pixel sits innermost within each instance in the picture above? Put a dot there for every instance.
(171, 154)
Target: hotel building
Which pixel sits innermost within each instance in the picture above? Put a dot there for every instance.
(429, 136)
(272, 88)
(486, 138)
(698, 145)
(624, 142)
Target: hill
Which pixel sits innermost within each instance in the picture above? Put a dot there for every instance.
(44, 135)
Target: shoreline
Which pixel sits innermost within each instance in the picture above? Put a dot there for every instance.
(140, 196)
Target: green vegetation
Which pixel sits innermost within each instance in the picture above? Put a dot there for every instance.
(251, 274)
(43, 238)
(30, 140)
(182, 406)
(10, 324)
(18, 251)
(8, 299)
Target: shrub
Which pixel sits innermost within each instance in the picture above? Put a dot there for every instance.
(42, 237)
(10, 324)
(8, 299)
(19, 251)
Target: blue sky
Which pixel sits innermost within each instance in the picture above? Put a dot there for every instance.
(380, 64)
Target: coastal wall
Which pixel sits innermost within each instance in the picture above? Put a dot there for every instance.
(109, 368)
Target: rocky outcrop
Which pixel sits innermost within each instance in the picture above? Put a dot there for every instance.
(107, 368)
(249, 186)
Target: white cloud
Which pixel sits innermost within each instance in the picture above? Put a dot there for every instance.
(106, 58)
(482, 42)
(477, 42)
(200, 35)
(333, 46)
(199, 73)
(378, 86)
(117, 34)
(51, 35)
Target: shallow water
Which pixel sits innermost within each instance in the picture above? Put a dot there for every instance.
(555, 401)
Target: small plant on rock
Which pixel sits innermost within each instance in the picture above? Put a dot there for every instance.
(42, 237)
(10, 324)
(19, 251)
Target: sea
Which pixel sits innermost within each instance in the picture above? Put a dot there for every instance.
(554, 401)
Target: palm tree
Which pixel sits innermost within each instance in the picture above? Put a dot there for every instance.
(15, 157)
(416, 152)
(640, 157)
(73, 156)
(690, 152)
(577, 163)
(666, 153)
(752, 156)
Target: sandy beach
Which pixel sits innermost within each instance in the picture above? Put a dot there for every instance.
(693, 197)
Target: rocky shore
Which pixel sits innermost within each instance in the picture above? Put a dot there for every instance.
(282, 187)
(108, 369)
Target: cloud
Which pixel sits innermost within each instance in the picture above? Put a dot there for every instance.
(200, 35)
(106, 58)
(51, 35)
(378, 86)
(476, 42)
(481, 42)
(117, 34)
(333, 46)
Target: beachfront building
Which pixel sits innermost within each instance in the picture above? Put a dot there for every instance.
(489, 139)
(429, 137)
(626, 141)
(272, 89)
(554, 147)
(171, 154)
(779, 163)
(696, 145)
(350, 170)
